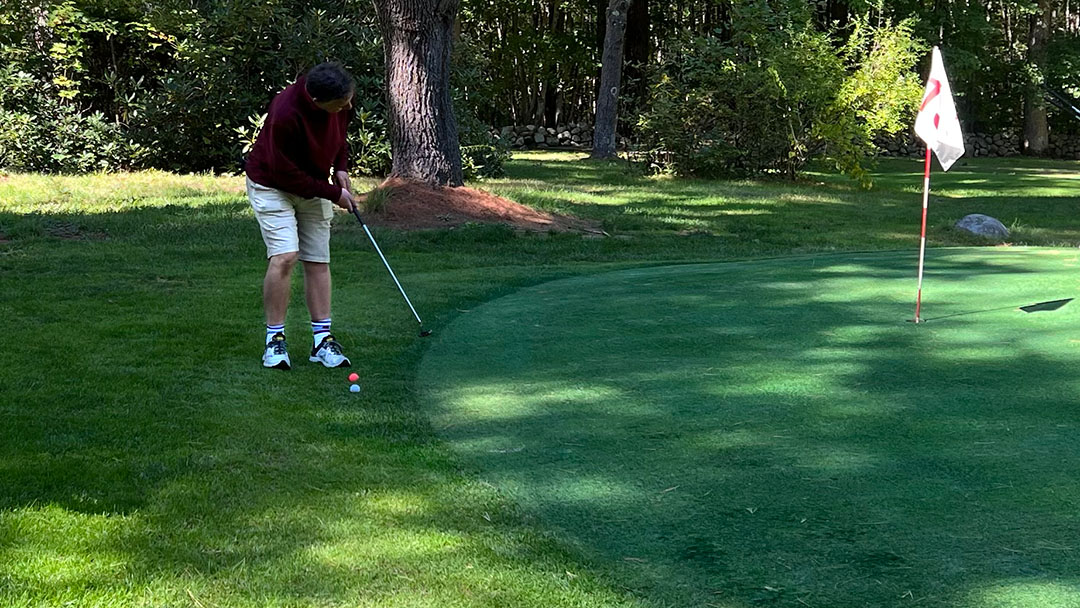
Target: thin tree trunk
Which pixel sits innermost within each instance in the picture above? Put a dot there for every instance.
(417, 37)
(607, 102)
(551, 106)
(552, 93)
(637, 52)
(541, 97)
(1036, 129)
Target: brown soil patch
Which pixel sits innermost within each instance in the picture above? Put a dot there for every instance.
(415, 206)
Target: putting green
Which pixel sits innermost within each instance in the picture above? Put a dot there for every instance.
(777, 432)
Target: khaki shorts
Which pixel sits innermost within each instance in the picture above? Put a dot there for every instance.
(291, 223)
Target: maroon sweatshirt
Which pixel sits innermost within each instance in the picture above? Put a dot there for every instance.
(299, 144)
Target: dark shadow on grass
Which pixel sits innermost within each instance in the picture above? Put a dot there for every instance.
(1045, 306)
(1029, 308)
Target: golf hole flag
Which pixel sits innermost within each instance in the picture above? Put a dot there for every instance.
(938, 125)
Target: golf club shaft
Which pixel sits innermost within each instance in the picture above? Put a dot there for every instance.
(356, 212)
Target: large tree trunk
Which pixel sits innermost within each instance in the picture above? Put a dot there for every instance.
(417, 36)
(607, 101)
(1036, 129)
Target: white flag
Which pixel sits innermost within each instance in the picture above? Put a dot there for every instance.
(937, 123)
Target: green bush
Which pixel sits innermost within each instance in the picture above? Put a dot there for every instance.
(41, 132)
(484, 161)
(228, 62)
(61, 139)
(90, 85)
(777, 95)
(52, 108)
(173, 86)
(369, 143)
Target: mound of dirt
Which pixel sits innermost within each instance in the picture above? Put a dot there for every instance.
(415, 206)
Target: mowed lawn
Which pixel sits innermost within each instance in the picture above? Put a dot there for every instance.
(776, 432)
(146, 459)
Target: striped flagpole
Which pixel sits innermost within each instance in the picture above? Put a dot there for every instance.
(922, 238)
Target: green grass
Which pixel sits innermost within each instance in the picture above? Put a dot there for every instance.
(147, 459)
(776, 433)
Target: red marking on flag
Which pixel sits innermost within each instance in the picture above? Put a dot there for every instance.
(937, 120)
(934, 86)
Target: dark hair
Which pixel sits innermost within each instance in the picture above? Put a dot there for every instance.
(329, 81)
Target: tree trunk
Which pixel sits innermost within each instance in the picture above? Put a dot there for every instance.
(417, 36)
(607, 101)
(1036, 129)
(557, 24)
(551, 105)
(637, 53)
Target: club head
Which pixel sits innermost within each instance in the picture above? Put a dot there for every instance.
(425, 333)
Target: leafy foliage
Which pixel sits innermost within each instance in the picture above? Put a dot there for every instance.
(180, 84)
(538, 58)
(180, 87)
(58, 138)
(233, 57)
(483, 161)
(779, 94)
(61, 108)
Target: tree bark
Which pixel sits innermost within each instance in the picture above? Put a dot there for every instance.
(417, 37)
(1036, 129)
(607, 101)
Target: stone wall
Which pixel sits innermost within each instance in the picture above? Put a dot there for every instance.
(533, 136)
(983, 144)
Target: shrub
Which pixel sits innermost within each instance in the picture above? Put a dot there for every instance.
(47, 91)
(484, 160)
(772, 98)
(369, 143)
(50, 135)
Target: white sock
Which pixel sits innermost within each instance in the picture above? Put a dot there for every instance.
(273, 330)
(319, 330)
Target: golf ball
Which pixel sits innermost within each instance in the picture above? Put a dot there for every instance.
(353, 377)
(354, 388)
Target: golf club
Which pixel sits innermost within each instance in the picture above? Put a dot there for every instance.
(423, 332)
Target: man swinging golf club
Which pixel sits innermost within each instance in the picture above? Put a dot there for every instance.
(302, 139)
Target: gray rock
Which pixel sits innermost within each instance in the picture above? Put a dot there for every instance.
(983, 225)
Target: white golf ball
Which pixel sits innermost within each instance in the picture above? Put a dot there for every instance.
(354, 388)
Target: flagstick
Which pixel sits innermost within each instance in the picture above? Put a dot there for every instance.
(922, 237)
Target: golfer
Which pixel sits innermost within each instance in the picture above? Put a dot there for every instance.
(302, 140)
